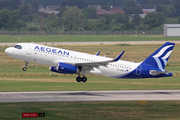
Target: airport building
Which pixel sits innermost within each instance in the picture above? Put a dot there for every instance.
(171, 29)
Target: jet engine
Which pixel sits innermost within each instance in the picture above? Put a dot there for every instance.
(65, 68)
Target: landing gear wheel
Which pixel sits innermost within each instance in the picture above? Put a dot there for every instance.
(24, 69)
(26, 64)
(78, 79)
(83, 79)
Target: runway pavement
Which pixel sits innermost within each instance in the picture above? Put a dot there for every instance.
(59, 96)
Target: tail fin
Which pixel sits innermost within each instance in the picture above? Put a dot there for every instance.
(160, 57)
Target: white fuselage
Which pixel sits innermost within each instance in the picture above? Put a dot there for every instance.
(72, 62)
(51, 56)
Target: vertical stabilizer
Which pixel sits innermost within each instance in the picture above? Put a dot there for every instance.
(160, 57)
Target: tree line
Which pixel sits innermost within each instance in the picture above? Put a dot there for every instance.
(78, 17)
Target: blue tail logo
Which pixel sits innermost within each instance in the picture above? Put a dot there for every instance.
(160, 57)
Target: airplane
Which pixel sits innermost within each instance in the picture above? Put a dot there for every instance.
(73, 62)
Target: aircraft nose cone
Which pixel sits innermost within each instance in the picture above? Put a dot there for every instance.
(8, 51)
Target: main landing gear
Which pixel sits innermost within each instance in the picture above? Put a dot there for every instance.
(25, 68)
(79, 79)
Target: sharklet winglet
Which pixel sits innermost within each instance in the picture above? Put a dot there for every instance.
(119, 56)
(97, 53)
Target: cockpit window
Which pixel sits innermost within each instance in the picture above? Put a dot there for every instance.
(18, 46)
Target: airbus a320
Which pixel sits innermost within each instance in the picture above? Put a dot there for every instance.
(72, 62)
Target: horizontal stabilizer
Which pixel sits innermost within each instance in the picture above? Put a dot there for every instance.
(153, 72)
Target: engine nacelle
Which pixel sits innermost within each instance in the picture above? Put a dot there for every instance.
(53, 69)
(65, 68)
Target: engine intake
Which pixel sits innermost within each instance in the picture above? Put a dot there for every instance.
(65, 68)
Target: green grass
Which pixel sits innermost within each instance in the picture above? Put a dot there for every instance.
(41, 79)
(163, 110)
(82, 38)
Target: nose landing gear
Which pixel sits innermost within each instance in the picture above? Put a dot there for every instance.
(25, 68)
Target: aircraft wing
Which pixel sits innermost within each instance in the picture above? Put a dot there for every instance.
(89, 65)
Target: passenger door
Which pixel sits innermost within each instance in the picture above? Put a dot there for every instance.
(29, 50)
(138, 70)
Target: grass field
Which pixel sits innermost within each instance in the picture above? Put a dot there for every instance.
(39, 78)
(122, 110)
(82, 38)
